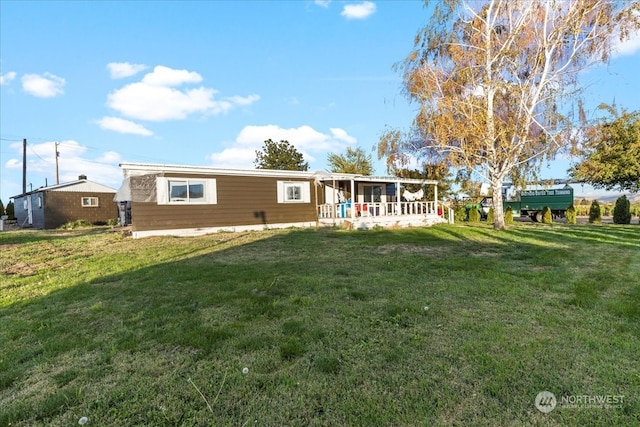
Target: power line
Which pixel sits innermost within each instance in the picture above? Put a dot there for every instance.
(36, 154)
(10, 138)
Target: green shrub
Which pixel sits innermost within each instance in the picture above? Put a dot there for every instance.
(622, 211)
(571, 214)
(10, 210)
(490, 215)
(1, 208)
(595, 215)
(79, 223)
(547, 217)
(508, 215)
(474, 214)
(459, 214)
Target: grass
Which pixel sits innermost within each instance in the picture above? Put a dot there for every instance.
(448, 325)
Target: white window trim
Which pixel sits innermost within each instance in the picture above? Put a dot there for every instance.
(90, 205)
(305, 188)
(210, 191)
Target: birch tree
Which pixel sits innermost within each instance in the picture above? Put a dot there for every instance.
(494, 79)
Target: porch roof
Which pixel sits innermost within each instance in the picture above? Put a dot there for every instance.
(329, 177)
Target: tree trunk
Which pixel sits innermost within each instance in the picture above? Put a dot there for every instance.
(498, 208)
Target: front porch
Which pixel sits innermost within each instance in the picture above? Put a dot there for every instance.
(364, 202)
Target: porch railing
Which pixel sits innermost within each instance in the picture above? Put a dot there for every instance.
(345, 210)
(446, 212)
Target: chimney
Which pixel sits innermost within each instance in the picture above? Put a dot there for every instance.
(81, 177)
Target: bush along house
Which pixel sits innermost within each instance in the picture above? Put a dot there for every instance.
(52, 206)
(181, 200)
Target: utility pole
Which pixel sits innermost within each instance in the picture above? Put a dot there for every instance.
(57, 155)
(24, 166)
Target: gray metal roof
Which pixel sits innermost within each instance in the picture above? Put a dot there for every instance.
(78, 186)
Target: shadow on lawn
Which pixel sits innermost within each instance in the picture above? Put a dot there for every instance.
(207, 297)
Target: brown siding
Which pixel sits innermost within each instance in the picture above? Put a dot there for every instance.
(65, 206)
(242, 200)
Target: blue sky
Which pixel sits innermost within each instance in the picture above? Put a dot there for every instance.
(206, 82)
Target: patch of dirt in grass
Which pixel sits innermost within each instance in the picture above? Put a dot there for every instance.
(32, 267)
(21, 269)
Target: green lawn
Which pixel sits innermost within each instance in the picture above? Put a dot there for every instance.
(448, 325)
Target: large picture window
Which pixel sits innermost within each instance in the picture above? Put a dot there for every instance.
(186, 191)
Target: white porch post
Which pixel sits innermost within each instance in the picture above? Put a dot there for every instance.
(398, 204)
(318, 209)
(334, 213)
(353, 199)
(435, 197)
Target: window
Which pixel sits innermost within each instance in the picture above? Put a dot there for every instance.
(89, 202)
(294, 192)
(40, 202)
(186, 191)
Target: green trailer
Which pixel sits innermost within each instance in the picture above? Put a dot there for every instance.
(532, 202)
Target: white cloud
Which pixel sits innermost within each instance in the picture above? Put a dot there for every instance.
(239, 158)
(123, 126)
(322, 3)
(157, 103)
(109, 157)
(165, 76)
(72, 162)
(119, 70)
(359, 11)
(13, 164)
(308, 141)
(628, 47)
(341, 134)
(43, 86)
(156, 98)
(246, 100)
(6, 78)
